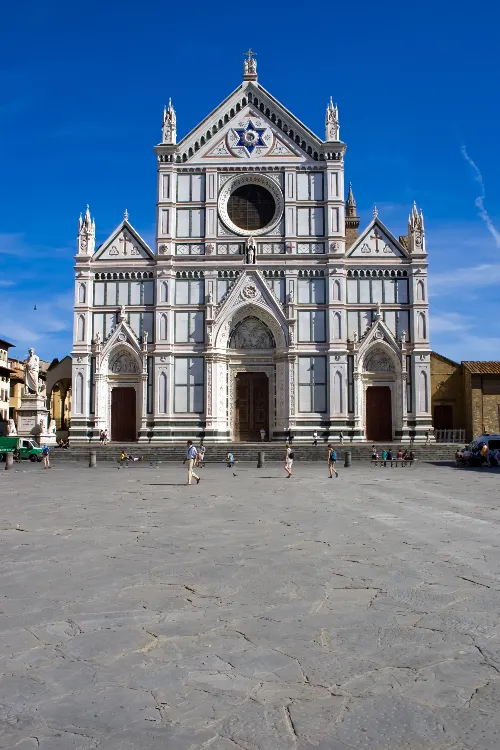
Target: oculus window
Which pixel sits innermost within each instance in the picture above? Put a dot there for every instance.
(251, 207)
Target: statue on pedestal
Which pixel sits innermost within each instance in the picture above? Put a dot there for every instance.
(31, 370)
(11, 427)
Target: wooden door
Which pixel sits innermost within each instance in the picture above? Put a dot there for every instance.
(123, 418)
(443, 417)
(251, 411)
(378, 413)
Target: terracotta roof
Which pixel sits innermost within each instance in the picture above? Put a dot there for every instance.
(483, 368)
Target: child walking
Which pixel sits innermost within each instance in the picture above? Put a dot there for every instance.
(332, 458)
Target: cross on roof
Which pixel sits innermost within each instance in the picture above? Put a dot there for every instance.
(250, 53)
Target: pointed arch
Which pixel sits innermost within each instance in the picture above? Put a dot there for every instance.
(421, 326)
(338, 393)
(420, 291)
(80, 328)
(162, 393)
(82, 293)
(423, 392)
(79, 394)
(164, 292)
(337, 330)
(336, 291)
(163, 327)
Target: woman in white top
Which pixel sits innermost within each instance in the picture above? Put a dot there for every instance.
(288, 460)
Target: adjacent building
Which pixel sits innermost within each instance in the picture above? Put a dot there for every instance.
(4, 381)
(261, 303)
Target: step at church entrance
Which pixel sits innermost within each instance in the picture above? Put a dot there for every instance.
(123, 425)
(378, 413)
(251, 411)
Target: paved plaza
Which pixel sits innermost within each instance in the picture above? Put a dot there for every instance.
(249, 612)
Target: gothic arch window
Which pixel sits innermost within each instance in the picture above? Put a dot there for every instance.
(162, 394)
(82, 293)
(163, 328)
(421, 326)
(338, 394)
(420, 291)
(336, 290)
(336, 326)
(164, 291)
(79, 394)
(423, 392)
(80, 328)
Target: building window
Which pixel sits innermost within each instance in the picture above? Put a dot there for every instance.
(190, 188)
(312, 325)
(81, 293)
(312, 384)
(190, 222)
(189, 292)
(310, 222)
(278, 287)
(163, 393)
(188, 397)
(310, 186)
(189, 327)
(312, 291)
(80, 328)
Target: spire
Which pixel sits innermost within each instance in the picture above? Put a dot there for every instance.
(332, 122)
(125, 215)
(416, 231)
(169, 127)
(86, 234)
(350, 203)
(351, 218)
(375, 212)
(250, 66)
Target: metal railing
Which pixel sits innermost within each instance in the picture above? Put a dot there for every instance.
(449, 436)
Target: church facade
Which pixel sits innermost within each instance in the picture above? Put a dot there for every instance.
(262, 303)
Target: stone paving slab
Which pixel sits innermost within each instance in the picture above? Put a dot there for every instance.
(249, 612)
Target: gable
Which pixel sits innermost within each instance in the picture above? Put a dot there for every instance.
(124, 244)
(377, 242)
(217, 136)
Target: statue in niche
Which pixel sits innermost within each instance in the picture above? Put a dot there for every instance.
(250, 251)
(251, 333)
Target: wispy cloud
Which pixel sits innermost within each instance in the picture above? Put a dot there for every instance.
(483, 213)
(472, 277)
(6, 282)
(449, 322)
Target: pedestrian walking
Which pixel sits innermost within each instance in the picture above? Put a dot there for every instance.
(341, 437)
(106, 437)
(332, 459)
(200, 457)
(229, 460)
(289, 456)
(290, 436)
(191, 454)
(46, 457)
(427, 438)
(262, 434)
(315, 437)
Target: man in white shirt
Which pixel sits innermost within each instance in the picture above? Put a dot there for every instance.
(191, 454)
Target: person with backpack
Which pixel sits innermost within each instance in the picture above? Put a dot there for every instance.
(332, 458)
(289, 455)
(46, 459)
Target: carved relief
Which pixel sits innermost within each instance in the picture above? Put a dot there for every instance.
(123, 364)
(251, 333)
(377, 361)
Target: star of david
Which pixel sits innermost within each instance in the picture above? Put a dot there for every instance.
(250, 137)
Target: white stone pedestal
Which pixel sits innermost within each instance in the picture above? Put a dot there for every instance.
(32, 419)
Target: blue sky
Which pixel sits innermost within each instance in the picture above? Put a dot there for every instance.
(82, 93)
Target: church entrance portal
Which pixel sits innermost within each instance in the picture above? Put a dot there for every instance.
(378, 413)
(251, 411)
(123, 415)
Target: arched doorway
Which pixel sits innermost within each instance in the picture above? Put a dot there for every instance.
(379, 379)
(251, 342)
(124, 390)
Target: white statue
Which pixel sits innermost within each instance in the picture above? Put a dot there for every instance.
(403, 338)
(11, 427)
(52, 427)
(250, 64)
(210, 298)
(210, 335)
(355, 336)
(97, 338)
(332, 122)
(31, 370)
(250, 250)
(144, 338)
(121, 314)
(290, 295)
(292, 336)
(42, 425)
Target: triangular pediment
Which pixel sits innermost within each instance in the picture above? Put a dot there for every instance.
(376, 241)
(221, 135)
(123, 336)
(379, 333)
(124, 244)
(250, 288)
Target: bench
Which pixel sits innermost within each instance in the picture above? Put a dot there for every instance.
(392, 461)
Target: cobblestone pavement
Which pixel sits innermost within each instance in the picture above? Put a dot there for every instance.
(249, 612)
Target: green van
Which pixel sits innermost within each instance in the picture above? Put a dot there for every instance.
(26, 446)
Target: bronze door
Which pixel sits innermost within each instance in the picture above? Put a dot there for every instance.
(251, 411)
(378, 413)
(123, 426)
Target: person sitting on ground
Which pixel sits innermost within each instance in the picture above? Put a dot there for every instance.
(229, 460)
(60, 443)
